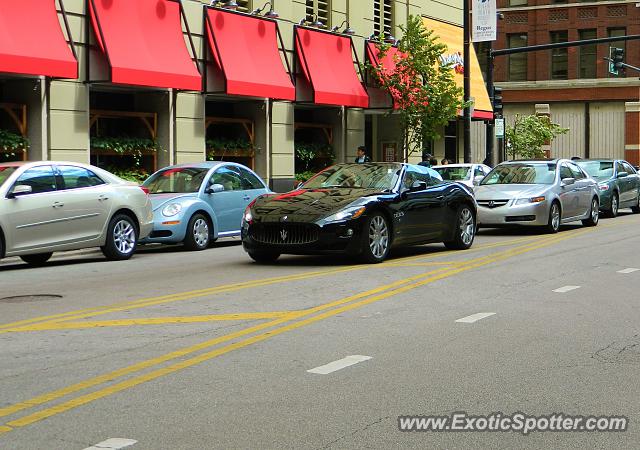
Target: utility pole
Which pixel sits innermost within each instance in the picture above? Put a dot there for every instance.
(467, 81)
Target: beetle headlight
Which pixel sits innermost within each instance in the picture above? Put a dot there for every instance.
(524, 201)
(346, 214)
(171, 209)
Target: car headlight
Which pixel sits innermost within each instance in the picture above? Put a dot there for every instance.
(524, 201)
(603, 187)
(349, 213)
(247, 217)
(171, 209)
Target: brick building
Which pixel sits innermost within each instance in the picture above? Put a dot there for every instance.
(573, 84)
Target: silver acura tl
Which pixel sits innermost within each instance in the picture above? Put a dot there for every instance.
(49, 206)
(545, 193)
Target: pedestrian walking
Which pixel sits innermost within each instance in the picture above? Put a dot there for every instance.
(362, 155)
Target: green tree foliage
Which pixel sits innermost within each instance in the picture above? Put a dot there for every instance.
(528, 134)
(12, 142)
(424, 91)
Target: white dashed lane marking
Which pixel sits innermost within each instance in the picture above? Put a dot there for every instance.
(564, 289)
(629, 270)
(475, 317)
(339, 364)
(112, 444)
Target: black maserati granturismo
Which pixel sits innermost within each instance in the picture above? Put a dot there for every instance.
(362, 210)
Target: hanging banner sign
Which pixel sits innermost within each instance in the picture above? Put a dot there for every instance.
(484, 21)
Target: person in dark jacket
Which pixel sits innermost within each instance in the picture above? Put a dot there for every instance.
(362, 155)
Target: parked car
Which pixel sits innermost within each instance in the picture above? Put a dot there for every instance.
(197, 203)
(468, 174)
(618, 182)
(49, 206)
(361, 209)
(544, 193)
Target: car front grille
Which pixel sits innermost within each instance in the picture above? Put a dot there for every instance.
(492, 203)
(284, 233)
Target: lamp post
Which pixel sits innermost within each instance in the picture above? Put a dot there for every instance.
(466, 27)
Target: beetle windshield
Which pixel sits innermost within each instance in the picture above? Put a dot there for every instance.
(176, 180)
(5, 173)
(522, 173)
(359, 176)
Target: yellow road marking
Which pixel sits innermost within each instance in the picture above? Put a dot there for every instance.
(151, 321)
(141, 303)
(87, 398)
(426, 278)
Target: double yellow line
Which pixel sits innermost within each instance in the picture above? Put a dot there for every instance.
(266, 330)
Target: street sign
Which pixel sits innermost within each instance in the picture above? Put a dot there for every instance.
(499, 127)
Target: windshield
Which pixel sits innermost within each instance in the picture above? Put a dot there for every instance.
(522, 173)
(597, 169)
(5, 172)
(176, 180)
(359, 176)
(454, 173)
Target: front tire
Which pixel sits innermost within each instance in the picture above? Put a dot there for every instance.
(264, 257)
(465, 230)
(594, 214)
(198, 236)
(39, 259)
(555, 217)
(615, 206)
(122, 238)
(376, 239)
(634, 209)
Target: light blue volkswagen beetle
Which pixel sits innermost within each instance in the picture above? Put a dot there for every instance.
(198, 203)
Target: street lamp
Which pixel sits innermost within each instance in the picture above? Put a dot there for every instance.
(271, 14)
(348, 30)
(232, 4)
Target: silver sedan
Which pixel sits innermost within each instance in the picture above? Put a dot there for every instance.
(49, 206)
(543, 193)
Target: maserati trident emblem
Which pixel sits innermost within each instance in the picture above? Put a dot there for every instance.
(283, 235)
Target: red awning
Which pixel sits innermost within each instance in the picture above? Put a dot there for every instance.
(245, 49)
(388, 63)
(144, 44)
(327, 64)
(32, 42)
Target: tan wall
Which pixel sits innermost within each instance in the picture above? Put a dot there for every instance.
(571, 116)
(607, 130)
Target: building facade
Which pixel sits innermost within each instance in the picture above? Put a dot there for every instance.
(573, 85)
(150, 83)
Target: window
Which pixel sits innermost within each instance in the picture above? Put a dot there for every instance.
(619, 168)
(615, 32)
(559, 56)
(176, 180)
(628, 168)
(320, 8)
(517, 63)
(6, 172)
(422, 175)
(478, 172)
(517, 2)
(244, 6)
(565, 172)
(382, 17)
(250, 180)
(482, 50)
(576, 172)
(41, 179)
(229, 177)
(73, 177)
(588, 57)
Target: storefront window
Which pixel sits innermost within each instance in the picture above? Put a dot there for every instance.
(382, 17)
(517, 63)
(559, 57)
(588, 57)
(517, 2)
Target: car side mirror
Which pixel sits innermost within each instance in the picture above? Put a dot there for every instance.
(20, 189)
(214, 188)
(478, 179)
(418, 186)
(622, 174)
(568, 181)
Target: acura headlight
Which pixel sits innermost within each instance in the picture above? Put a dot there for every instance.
(171, 209)
(524, 201)
(346, 214)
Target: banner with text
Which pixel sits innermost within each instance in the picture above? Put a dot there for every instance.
(484, 21)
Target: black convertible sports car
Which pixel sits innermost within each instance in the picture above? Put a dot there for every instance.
(361, 209)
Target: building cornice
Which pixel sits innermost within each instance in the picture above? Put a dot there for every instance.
(565, 5)
(570, 84)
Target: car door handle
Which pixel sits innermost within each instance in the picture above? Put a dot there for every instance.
(58, 204)
(246, 197)
(103, 198)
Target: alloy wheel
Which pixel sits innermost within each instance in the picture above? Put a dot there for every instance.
(124, 237)
(555, 216)
(201, 232)
(595, 211)
(378, 236)
(614, 206)
(467, 226)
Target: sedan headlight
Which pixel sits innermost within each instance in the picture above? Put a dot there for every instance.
(524, 201)
(171, 209)
(346, 214)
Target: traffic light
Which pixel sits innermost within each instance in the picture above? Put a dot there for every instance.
(616, 60)
(497, 101)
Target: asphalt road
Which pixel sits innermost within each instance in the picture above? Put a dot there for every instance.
(207, 350)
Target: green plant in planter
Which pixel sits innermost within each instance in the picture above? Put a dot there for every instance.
(137, 175)
(304, 176)
(125, 146)
(12, 142)
(229, 147)
(309, 152)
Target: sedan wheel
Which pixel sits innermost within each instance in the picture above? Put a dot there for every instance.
(122, 238)
(636, 208)
(198, 235)
(465, 230)
(594, 215)
(376, 239)
(615, 205)
(553, 224)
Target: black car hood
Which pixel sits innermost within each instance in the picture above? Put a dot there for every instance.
(309, 205)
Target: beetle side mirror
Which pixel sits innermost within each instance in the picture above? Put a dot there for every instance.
(20, 189)
(622, 174)
(568, 181)
(214, 188)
